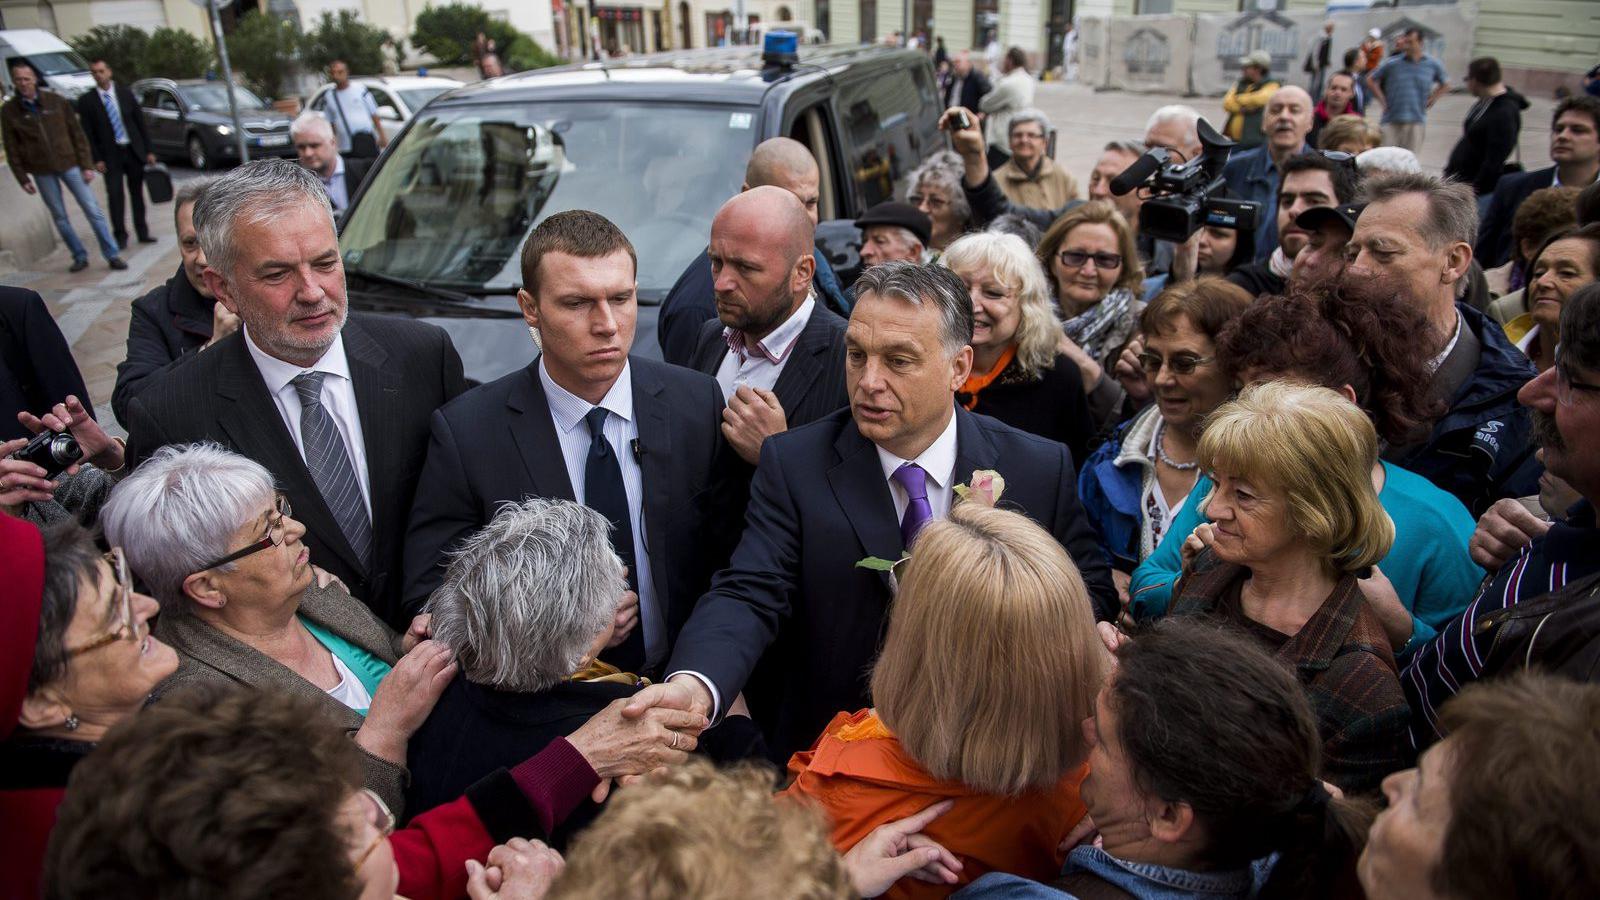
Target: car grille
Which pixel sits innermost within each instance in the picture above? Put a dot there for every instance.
(263, 127)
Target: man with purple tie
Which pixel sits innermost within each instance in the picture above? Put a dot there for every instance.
(860, 483)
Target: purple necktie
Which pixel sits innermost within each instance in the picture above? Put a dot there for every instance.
(914, 479)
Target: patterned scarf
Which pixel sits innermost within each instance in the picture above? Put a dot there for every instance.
(1096, 328)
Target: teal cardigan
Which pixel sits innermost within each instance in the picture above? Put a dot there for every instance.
(1432, 572)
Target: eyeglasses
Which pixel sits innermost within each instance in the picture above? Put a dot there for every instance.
(1337, 156)
(1181, 364)
(931, 200)
(1565, 385)
(1073, 259)
(380, 818)
(273, 538)
(121, 608)
(1027, 135)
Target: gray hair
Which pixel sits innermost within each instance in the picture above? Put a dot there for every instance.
(1133, 147)
(189, 192)
(945, 170)
(920, 284)
(1011, 223)
(179, 510)
(258, 191)
(1177, 112)
(1029, 114)
(526, 596)
(310, 120)
(1381, 161)
(1452, 209)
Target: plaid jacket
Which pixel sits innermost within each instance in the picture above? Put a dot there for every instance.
(1343, 659)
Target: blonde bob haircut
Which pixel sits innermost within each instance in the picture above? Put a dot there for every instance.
(696, 831)
(1009, 260)
(1318, 449)
(1096, 212)
(994, 602)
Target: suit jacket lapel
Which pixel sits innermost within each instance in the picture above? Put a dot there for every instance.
(653, 413)
(801, 373)
(863, 493)
(256, 429)
(534, 433)
(974, 450)
(381, 405)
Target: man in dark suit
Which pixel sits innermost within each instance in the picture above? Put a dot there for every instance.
(636, 440)
(336, 406)
(855, 484)
(967, 86)
(114, 124)
(318, 150)
(777, 353)
(1575, 149)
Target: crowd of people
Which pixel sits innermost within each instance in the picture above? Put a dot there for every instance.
(1046, 558)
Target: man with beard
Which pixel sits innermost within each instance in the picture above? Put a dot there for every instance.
(1310, 180)
(1413, 244)
(1565, 400)
(1254, 174)
(777, 354)
(335, 405)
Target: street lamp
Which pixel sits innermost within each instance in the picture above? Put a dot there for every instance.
(227, 72)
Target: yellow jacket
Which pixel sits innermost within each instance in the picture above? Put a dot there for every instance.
(1244, 109)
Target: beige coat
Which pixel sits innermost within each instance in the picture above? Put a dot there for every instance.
(1049, 187)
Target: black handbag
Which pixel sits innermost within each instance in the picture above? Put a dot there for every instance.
(158, 181)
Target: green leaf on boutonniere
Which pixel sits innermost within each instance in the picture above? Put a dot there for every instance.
(877, 564)
(962, 491)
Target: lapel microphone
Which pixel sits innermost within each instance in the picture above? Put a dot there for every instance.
(638, 450)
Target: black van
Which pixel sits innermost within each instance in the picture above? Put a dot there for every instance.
(654, 143)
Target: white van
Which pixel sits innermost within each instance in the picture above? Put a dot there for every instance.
(60, 67)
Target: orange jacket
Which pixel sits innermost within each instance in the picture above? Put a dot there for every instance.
(861, 777)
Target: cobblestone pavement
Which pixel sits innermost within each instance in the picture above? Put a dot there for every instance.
(92, 306)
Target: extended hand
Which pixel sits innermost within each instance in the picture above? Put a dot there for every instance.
(21, 482)
(752, 416)
(662, 733)
(627, 618)
(1503, 531)
(895, 850)
(1129, 372)
(99, 448)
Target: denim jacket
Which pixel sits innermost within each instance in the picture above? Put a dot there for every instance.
(1146, 881)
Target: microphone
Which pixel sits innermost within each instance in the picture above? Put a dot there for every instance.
(638, 450)
(1140, 171)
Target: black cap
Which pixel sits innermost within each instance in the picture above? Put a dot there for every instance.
(902, 214)
(1318, 216)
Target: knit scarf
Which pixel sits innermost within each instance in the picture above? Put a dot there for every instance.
(1092, 328)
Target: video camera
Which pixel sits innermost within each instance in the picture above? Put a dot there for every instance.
(1183, 194)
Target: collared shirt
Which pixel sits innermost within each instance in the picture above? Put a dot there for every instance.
(338, 398)
(1437, 361)
(334, 185)
(109, 98)
(1406, 85)
(622, 433)
(939, 461)
(1555, 178)
(759, 367)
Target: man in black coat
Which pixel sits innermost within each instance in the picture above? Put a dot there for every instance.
(37, 370)
(114, 125)
(776, 352)
(175, 319)
(858, 484)
(335, 405)
(967, 86)
(1490, 132)
(1575, 149)
(636, 440)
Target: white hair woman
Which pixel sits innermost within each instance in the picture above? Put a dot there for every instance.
(936, 190)
(219, 549)
(526, 606)
(1018, 376)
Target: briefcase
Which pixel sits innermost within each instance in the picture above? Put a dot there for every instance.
(158, 181)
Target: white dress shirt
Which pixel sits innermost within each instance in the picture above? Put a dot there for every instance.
(338, 398)
(622, 433)
(939, 461)
(334, 185)
(109, 98)
(759, 367)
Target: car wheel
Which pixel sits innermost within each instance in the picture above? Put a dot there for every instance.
(197, 153)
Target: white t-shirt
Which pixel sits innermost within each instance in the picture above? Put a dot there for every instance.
(350, 691)
(351, 111)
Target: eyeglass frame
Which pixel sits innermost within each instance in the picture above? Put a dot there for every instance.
(1338, 156)
(1187, 367)
(916, 198)
(125, 629)
(282, 507)
(1565, 383)
(385, 828)
(1061, 257)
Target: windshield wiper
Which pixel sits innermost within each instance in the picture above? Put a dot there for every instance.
(418, 286)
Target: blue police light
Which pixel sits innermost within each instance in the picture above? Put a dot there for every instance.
(781, 48)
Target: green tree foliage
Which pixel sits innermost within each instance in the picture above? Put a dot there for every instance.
(174, 53)
(348, 38)
(262, 50)
(446, 33)
(525, 53)
(121, 46)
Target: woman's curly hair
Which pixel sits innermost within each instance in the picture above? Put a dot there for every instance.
(1335, 338)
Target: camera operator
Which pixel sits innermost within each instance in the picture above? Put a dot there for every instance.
(1308, 180)
(30, 491)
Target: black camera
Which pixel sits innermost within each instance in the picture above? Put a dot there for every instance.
(51, 451)
(1184, 195)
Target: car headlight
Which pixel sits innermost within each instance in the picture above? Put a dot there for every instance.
(224, 130)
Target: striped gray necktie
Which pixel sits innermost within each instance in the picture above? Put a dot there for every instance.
(331, 469)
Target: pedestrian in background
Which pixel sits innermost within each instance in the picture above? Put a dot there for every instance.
(354, 114)
(46, 148)
(1319, 59)
(1247, 99)
(120, 144)
(1489, 133)
(1407, 84)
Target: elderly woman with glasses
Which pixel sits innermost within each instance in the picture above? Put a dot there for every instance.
(1018, 376)
(1030, 177)
(204, 528)
(936, 190)
(1094, 268)
(76, 658)
(1136, 482)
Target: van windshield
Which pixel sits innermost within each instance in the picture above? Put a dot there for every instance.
(455, 198)
(63, 63)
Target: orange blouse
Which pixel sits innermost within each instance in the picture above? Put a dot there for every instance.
(861, 778)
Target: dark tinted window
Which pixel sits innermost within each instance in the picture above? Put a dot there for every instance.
(883, 115)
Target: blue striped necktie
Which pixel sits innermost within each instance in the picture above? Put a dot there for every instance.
(331, 470)
(117, 131)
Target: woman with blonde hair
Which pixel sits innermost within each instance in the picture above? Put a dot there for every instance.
(1018, 374)
(995, 603)
(1093, 261)
(1295, 522)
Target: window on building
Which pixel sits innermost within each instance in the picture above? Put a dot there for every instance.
(869, 21)
(1161, 7)
(824, 21)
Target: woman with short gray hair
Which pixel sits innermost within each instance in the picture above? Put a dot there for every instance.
(241, 602)
(1030, 177)
(936, 190)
